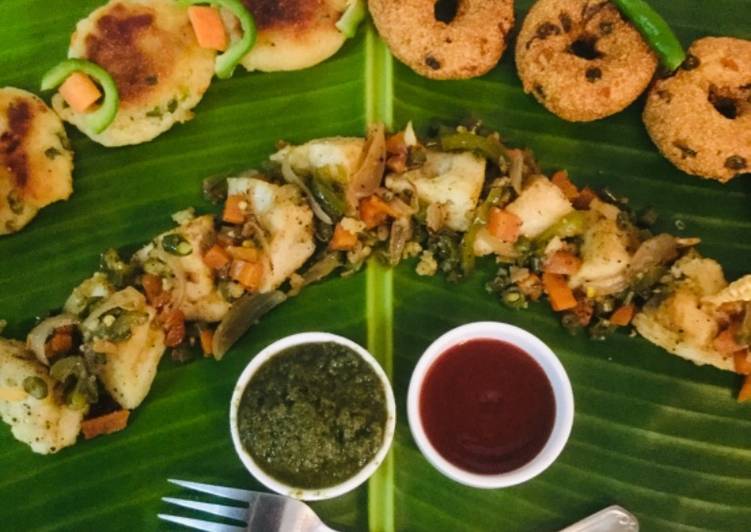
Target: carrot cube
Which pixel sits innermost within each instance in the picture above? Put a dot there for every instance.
(248, 274)
(560, 295)
(504, 225)
(234, 209)
(216, 257)
(79, 92)
(342, 240)
(208, 27)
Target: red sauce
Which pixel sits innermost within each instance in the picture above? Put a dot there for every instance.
(487, 406)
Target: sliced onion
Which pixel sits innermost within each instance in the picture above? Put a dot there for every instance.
(243, 314)
(656, 251)
(37, 338)
(401, 232)
(291, 177)
(367, 178)
(516, 170)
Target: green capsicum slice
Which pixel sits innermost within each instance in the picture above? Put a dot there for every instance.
(351, 18)
(102, 117)
(488, 147)
(229, 59)
(480, 219)
(655, 31)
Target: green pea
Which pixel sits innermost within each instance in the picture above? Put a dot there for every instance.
(35, 387)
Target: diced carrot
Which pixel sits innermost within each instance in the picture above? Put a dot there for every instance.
(79, 91)
(374, 211)
(585, 197)
(152, 286)
(745, 393)
(562, 181)
(216, 257)
(248, 274)
(397, 163)
(60, 343)
(741, 362)
(726, 343)
(234, 209)
(623, 315)
(561, 296)
(504, 225)
(208, 27)
(106, 424)
(342, 240)
(396, 144)
(562, 262)
(173, 323)
(531, 286)
(207, 340)
(248, 254)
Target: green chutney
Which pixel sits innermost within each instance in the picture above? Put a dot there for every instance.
(313, 415)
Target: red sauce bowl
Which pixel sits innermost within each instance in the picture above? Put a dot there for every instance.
(490, 405)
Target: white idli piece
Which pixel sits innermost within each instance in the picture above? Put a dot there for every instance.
(291, 34)
(36, 162)
(150, 50)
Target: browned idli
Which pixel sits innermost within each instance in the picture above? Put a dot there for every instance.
(469, 45)
(36, 163)
(292, 34)
(700, 118)
(581, 59)
(150, 50)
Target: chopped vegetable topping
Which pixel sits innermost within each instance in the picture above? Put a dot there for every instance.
(208, 27)
(107, 424)
(176, 244)
(351, 18)
(79, 92)
(226, 62)
(100, 119)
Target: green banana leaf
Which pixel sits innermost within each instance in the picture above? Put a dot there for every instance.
(653, 433)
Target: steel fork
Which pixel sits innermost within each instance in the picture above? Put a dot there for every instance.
(263, 512)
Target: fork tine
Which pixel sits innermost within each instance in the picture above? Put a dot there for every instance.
(219, 491)
(233, 512)
(199, 524)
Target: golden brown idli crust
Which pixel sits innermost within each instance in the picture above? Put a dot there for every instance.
(150, 49)
(700, 118)
(292, 34)
(581, 59)
(468, 46)
(36, 162)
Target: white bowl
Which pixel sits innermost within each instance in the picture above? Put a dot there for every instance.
(564, 402)
(293, 491)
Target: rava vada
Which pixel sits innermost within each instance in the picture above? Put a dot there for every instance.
(161, 72)
(36, 162)
(445, 39)
(581, 59)
(700, 118)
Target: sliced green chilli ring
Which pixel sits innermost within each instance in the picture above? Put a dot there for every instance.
(227, 61)
(655, 31)
(351, 18)
(97, 120)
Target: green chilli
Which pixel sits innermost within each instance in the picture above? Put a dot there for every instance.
(227, 61)
(655, 31)
(97, 120)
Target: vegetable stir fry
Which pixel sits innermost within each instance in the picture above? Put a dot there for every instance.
(332, 204)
